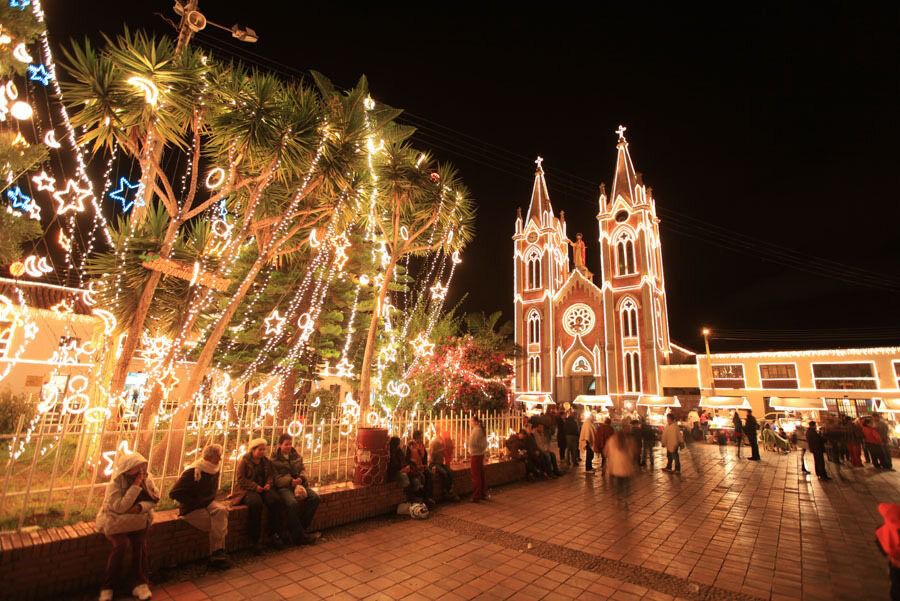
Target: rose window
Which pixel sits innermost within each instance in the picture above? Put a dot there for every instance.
(578, 320)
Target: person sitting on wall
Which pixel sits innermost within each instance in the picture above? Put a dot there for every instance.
(399, 469)
(255, 488)
(543, 445)
(195, 491)
(124, 518)
(417, 457)
(540, 462)
(515, 446)
(439, 463)
(300, 501)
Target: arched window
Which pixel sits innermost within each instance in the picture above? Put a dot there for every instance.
(632, 372)
(629, 315)
(534, 328)
(534, 373)
(625, 264)
(533, 270)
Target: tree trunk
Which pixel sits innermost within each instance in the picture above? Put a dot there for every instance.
(133, 334)
(365, 375)
(286, 398)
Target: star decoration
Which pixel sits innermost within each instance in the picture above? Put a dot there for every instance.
(20, 4)
(31, 330)
(422, 346)
(274, 323)
(439, 291)
(343, 369)
(39, 74)
(121, 194)
(23, 202)
(63, 307)
(64, 241)
(71, 198)
(44, 182)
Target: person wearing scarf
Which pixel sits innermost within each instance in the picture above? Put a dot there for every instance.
(195, 493)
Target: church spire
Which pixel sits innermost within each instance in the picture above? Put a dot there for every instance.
(540, 197)
(626, 179)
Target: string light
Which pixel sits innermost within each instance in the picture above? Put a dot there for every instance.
(20, 53)
(422, 346)
(274, 323)
(121, 194)
(44, 182)
(75, 200)
(36, 266)
(39, 74)
(149, 89)
(50, 140)
(21, 110)
(215, 178)
(21, 201)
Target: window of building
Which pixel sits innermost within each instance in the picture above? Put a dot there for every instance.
(6, 334)
(851, 407)
(534, 328)
(629, 314)
(632, 372)
(844, 376)
(728, 376)
(625, 264)
(778, 375)
(533, 270)
(534, 373)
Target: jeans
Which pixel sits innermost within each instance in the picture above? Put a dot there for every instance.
(299, 514)
(754, 446)
(550, 461)
(572, 452)
(213, 519)
(255, 502)
(888, 460)
(140, 559)
(673, 456)
(876, 452)
(647, 454)
(588, 458)
(445, 475)
(479, 488)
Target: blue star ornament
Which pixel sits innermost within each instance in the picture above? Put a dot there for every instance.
(123, 194)
(39, 74)
(21, 201)
(20, 4)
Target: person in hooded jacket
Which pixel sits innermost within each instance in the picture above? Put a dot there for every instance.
(125, 517)
(290, 478)
(195, 491)
(255, 483)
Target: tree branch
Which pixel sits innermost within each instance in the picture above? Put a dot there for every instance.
(195, 167)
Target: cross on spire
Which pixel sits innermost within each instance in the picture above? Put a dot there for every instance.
(538, 162)
(621, 132)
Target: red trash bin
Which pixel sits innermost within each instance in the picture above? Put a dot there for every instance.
(371, 456)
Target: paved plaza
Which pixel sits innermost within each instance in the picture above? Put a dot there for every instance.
(723, 529)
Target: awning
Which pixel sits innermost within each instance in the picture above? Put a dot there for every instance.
(797, 404)
(725, 402)
(535, 398)
(593, 400)
(888, 405)
(651, 400)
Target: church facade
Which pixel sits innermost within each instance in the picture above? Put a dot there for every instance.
(585, 333)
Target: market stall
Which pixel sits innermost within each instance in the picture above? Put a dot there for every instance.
(722, 408)
(792, 411)
(535, 401)
(658, 407)
(597, 404)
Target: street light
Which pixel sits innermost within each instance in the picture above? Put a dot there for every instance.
(712, 381)
(196, 21)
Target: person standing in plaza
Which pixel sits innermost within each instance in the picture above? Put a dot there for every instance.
(801, 443)
(885, 433)
(478, 445)
(694, 424)
(648, 444)
(738, 431)
(195, 491)
(602, 434)
(816, 444)
(672, 439)
(124, 518)
(586, 441)
(751, 429)
(573, 453)
(874, 444)
(854, 442)
(619, 450)
(561, 437)
(704, 423)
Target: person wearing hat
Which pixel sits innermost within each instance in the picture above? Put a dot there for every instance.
(255, 489)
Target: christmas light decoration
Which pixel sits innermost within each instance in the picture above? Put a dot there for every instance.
(315, 404)
(110, 457)
(21, 110)
(149, 89)
(20, 4)
(108, 319)
(21, 201)
(313, 241)
(36, 266)
(295, 428)
(44, 182)
(438, 291)
(20, 53)
(71, 198)
(455, 257)
(64, 241)
(50, 140)
(39, 74)
(215, 178)
(398, 389)
(122, 196)
(274, 323)
(422, 346)
(77, 402)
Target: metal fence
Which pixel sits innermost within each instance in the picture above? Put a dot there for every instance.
(54, 472)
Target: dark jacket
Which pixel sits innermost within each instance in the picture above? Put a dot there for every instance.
(571, 426)
(751, 427)
(397, 463)
(560, 432)
(603, 433)
(736, 420)
(814, 441)
(194, 494)
(250, 475)
(289, 467)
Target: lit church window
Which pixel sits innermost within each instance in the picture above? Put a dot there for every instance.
(534, 328)
(632, 372)
(533, 270)
(625, 254)
(629, 314)
(534, 373)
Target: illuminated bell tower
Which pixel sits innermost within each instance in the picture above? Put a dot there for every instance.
(634, 291)
(541, 266)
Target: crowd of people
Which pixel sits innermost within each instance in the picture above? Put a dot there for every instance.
(845, 441)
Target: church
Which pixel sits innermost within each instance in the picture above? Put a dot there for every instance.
(585, 333)
(607, 334)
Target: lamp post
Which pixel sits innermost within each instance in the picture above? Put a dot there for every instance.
(712, 381)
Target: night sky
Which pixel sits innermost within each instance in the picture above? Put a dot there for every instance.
(768, 133)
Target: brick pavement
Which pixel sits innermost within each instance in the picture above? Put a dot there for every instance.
(723, 529)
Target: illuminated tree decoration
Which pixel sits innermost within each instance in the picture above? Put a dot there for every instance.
(20, 4)
(21, 201)
(274, 323)
(37, 266)
(44, 182)
(122, 194)
(50, 140)
(151, 92)
(39, 74)
(20, 53)
(422, 346)
(438, 291)
(71, 198)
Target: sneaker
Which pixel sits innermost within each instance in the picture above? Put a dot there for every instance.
(220, 561)
(106, 595)
(142, 592)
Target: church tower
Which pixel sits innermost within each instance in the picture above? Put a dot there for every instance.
(634, 293)
(541, 266)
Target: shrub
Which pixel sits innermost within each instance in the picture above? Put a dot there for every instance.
(11, 407)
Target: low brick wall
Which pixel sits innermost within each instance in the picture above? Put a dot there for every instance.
(47, 563)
